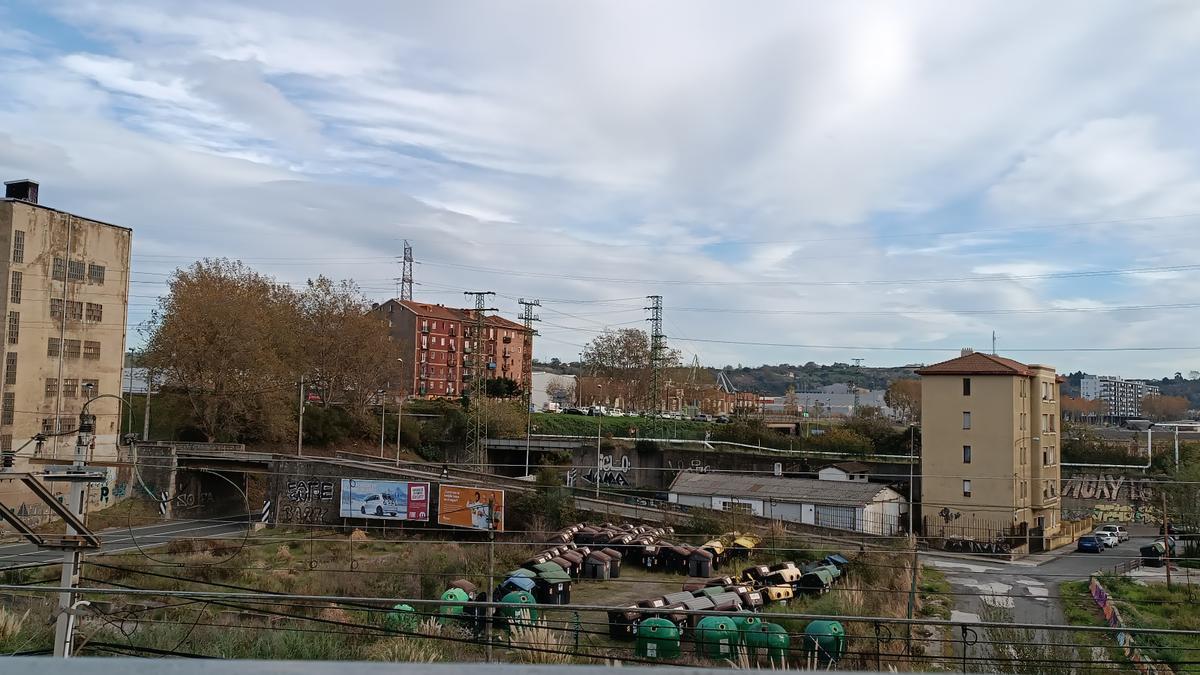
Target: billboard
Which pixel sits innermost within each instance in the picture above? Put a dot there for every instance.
(384, 499)
(460, 506)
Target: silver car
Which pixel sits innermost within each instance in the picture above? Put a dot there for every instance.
(1121, 533)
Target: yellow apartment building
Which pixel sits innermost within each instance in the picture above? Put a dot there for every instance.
(990, 444)
(64, 285)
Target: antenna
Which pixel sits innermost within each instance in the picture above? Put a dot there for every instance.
(993, 343)
(476, 441)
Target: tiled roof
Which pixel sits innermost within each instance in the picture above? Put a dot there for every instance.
(833, 492)
(467, 316)
(977, 363)
(850, 467)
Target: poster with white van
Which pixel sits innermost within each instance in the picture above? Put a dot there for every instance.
(384, 499)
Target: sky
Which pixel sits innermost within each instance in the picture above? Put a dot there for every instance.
(799, 181)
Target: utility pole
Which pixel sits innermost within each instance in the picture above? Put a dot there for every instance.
(64, 629)
(912, 537)
(476, 441)
(528, 317)
(657, 347)
(129, 391)
(1166, 538)
(406, 272)
(491, 592)
(146, 415)
(300, 432)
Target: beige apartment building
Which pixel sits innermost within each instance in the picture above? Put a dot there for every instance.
(64, 283)
(990, 443)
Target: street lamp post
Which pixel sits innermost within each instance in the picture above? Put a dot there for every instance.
(599, 423)
(382, 419)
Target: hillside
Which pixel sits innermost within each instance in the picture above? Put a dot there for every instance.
(774, 380)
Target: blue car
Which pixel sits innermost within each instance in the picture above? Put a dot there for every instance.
(1090, 544)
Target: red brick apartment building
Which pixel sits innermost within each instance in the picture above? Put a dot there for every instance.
(438, 344)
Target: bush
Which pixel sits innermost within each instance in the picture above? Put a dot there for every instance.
(841, 440)
(325, 426)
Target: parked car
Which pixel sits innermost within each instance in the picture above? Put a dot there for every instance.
(575, 411)
(1089, 544)
(1109, 539)
(616, 412)
(1119, 530)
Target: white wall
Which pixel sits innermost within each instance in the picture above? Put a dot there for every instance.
(540, 380)
(756, 505)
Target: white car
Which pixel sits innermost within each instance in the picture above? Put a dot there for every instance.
(1119, 530)
(1109, 539)
(380, 505)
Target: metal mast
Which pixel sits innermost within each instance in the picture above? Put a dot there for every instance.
(527, 318)
(476, 443)
(656, 351)
(406, 272)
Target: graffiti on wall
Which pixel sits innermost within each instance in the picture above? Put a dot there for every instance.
(310, 490)
(1115, 513)
(310, 501)
(1108, 487)
(609, 472)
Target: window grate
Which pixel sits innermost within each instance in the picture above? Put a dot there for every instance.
(18, 246)
(91, 350)
(10, 368)
(14, 327)
(96, 274)
(14, 288)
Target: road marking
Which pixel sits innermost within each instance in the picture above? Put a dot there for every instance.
(963, 617)
(947, 565)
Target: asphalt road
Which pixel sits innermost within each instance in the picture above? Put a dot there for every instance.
(124, 540)
(1027, 590)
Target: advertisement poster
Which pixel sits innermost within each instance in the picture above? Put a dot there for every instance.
(468, 507)
(385, 499)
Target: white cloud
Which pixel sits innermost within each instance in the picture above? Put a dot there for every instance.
(674, 141)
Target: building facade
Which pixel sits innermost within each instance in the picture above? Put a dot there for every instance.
(990, 444)
(439, 344)
(1123, 398)
(65, 292)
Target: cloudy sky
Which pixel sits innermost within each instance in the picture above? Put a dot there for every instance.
(804, 181)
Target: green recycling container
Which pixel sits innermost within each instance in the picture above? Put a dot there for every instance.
(657, 639)
(745, 623)
(770, 640)
(827, 639)
(452, 613)
(516, 609)
(402, 618)
(716, 637)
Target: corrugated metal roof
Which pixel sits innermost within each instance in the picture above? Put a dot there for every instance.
(842, 493)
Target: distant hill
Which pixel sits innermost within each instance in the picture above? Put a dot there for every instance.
(774, 380)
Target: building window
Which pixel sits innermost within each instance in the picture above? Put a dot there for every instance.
(51, 387)
(966, 420)
(966, 488)
(96, 274)
(75, 270)
(8, 408)
(1024, 388)
(1024, 489)
(966, 386)
(10, 368)
(94, 385)
(6, 442)
(966, 454)
(95, 313)
(18, 246)
(91, 350)
(59, 272)
(56, 308)
(75, 310)
(14, 327)
(71, 349)
(14, 288)
(53, 347)
(48, 425)
(1023, 422)
(70, 388)
(737, 507)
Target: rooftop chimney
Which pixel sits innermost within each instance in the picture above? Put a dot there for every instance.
(24, 189)
(965, 351)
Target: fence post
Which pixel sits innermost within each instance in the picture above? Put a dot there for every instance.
(969, 637)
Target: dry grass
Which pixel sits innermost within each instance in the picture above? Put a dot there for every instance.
(358, 535)
(11, 623)
(541, 644)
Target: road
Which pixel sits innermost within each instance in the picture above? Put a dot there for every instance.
(1026, 589)
(124, 540)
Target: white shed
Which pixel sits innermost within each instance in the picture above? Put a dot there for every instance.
(839, 504)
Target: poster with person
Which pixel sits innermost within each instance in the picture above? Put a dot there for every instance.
(471, 507)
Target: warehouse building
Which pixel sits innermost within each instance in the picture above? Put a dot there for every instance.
(840, 504)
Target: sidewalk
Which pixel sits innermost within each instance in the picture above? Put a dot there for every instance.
(1033, 560)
